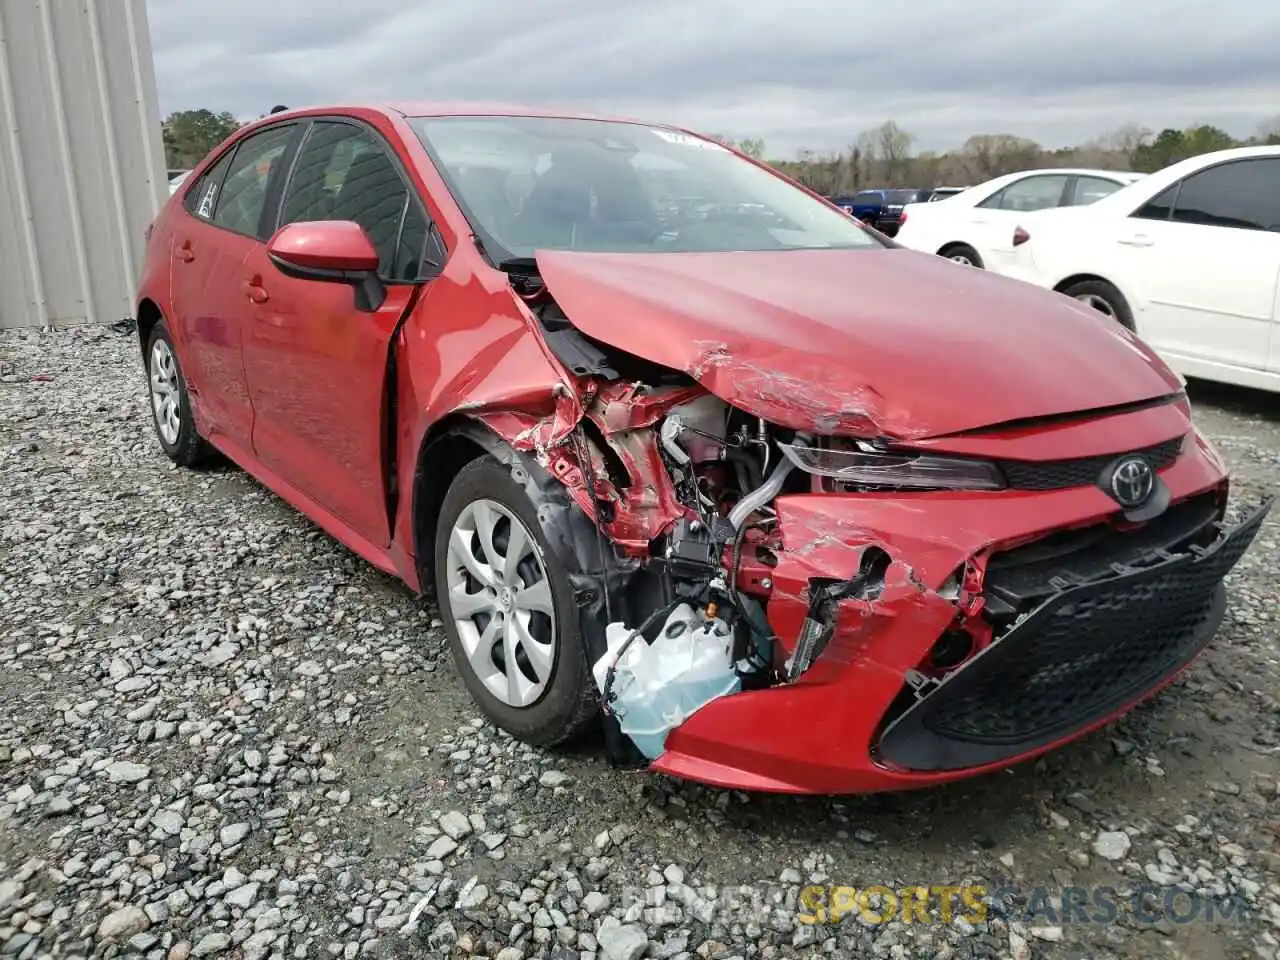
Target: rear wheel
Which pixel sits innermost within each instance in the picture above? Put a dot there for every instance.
(1104, 298)
(961, 253)
(508, 610)
(170, 401)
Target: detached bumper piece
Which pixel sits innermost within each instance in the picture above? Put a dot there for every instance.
(1085, 653)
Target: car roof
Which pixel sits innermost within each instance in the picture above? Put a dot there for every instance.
(481, 108)
(1166, 176)
(1221, 156)
(1075, 172)
(412, 109)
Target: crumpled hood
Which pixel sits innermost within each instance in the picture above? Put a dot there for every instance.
(888, 342)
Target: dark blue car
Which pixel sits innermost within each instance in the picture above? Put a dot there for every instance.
(881, 208)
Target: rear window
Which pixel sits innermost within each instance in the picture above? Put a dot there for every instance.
(901, 196)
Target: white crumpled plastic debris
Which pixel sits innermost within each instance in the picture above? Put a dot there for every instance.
(658, 686)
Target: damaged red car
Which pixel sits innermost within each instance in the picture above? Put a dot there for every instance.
(681, 448)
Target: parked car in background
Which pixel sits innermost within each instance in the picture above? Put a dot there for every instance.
(1189, 258)
(865, 205)
(975, 227)
(941, 193)
(830, 484)
(881, 208)
(176, 179)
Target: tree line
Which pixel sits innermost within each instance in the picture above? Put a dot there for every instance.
(880, 157)
(885, 156)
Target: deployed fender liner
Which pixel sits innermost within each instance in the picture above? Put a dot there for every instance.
(1083, 655)
(603, 580)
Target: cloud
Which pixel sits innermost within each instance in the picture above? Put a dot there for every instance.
(806, 73)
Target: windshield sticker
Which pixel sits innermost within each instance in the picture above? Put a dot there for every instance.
(684, 140)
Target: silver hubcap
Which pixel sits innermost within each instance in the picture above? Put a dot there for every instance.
(1095, 301)
(961, 258)
(164, 392)
(500, 601)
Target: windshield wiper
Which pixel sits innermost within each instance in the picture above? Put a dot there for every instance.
(522, 265)
(524, 275)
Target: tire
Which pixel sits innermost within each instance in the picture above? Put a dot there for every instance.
(1104, 298)
(961, 253)
(171, 408)
(553, 698)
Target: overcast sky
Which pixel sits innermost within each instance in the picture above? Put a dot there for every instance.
(799, 73)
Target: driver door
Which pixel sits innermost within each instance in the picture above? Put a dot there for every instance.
(317, 364)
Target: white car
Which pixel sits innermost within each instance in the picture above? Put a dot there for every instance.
(176, 181)
(1188, 258)
(974, 227)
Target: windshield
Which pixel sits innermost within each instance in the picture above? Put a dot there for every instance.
(549, 183)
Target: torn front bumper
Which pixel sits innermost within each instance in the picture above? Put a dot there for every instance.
(1093, 648)
(1076, 660)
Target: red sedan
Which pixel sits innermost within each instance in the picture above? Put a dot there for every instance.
(681, 447)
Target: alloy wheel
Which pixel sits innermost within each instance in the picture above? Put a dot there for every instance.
(165, 395)
(499, 596)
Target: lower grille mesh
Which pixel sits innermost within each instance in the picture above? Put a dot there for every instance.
(1079, 656)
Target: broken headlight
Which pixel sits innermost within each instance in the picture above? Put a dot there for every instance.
(866, 467)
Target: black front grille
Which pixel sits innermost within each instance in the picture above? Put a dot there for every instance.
(1079, 656)
(1021, 578)
(1081, 471)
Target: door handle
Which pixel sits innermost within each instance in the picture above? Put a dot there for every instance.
(256, 292)
(1137, 240)
(185, 253)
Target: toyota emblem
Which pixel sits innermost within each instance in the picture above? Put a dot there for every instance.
(1132, 482)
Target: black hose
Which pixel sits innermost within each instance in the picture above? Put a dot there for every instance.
(648, 622)
(740, 458)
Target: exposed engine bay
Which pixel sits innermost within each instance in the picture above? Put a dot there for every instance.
(683, 488)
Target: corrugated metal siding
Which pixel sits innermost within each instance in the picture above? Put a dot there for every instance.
(82, 169)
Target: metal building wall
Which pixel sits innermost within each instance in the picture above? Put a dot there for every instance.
(82, 169)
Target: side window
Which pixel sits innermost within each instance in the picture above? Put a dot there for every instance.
(343, 172)
(1031, 193)
(1091, 189)
(201, 199)
(1243, 194)
(1160, 206)
(243, 196)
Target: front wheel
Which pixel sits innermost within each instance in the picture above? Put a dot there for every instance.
(508, 610)
(1104, 298)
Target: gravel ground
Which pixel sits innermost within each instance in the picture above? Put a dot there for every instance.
(221, 734)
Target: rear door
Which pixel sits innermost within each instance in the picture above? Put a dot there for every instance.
(223, 226)
(992, 222)
(1204, 259)
(1085, 190)
(316, 364)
